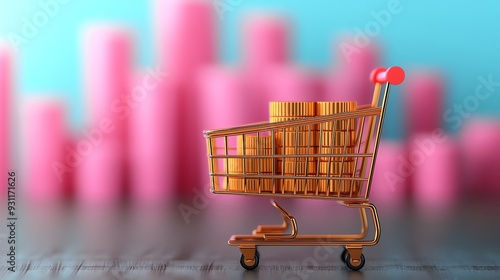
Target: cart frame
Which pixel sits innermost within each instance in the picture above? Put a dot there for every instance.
(368, 123)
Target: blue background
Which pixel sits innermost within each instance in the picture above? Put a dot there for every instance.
(459, 38)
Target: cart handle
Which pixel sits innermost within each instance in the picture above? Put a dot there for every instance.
(394, 75)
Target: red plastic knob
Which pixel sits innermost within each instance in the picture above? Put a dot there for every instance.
(394, 75)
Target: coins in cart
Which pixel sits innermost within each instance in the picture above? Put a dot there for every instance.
(297, 151)
(242, 184)
(249, 165)
(298, 185)
(336, 153)
(298, 127)
(292, 109)
(350, 190)
(338, 138)
(343, 186)
(335, 168)
(289, 111)
(330, 108)
(335, 107)
(299, 139)
(251, 145)
(263, 143)
(299, 168)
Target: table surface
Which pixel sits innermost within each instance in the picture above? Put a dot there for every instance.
(459, 242)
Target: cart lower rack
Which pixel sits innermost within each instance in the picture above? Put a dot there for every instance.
(321, 157)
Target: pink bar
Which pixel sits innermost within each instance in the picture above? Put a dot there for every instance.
(185, 36)
(186, 42)
(350, 82)
(69, 160)
(424, 102)
(5, 97)
(44, 132)
(150, 134)
(265, 41)
(279, 83)
(108, 59)
(226, 103)
(108, 55)
(436, 180)
(99, 177)
(291, 83)
(479, 144)
(389, 181)
(257, 87)
(358, 58)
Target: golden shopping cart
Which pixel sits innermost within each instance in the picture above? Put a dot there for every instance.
(322, 157)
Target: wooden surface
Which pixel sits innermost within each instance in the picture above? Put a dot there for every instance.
(157, 243)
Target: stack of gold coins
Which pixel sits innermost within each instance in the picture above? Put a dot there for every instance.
(337, 138)
(293, 141)
(340, 185)
(329, 108)
(252, 146)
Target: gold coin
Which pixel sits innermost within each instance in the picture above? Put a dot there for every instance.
(338, 125)
(338, 138)
(255, 142)
(293, 154)
(336, 150)
(336, 167)
(238, 184)
(255, 152)
(300, 186)
(299, 138)
(292, 109)
(266, 185)
(251, 165)
(340, 187)
(296, 151)
(249, 185)
(335, 153)
(299, 168)
(329, 108)
(306, 127)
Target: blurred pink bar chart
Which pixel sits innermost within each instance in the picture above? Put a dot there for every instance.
(108, 56)
(45, 136)
(181, 28)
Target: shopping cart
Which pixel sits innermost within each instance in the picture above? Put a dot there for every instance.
(337, 166)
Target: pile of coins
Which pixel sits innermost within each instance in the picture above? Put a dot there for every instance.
(338, 137)
(251, 145)
(303, 151)
(295, 141)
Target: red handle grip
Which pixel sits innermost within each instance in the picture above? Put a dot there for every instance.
(394, 75)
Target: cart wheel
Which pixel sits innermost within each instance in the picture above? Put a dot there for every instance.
(255, 263)
(343, 255)
(352, 266)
